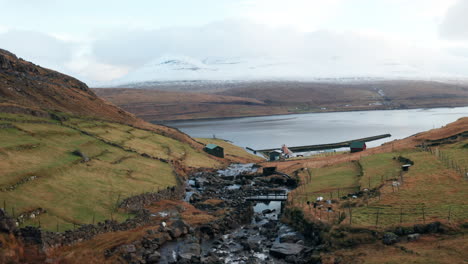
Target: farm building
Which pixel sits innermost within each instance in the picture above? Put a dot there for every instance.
(357, 146)
(275, 155)
(214, 150)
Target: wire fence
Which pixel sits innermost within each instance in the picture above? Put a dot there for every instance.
(381, 216)
(448, 161)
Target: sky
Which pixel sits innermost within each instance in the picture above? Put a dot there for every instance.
(111, 41)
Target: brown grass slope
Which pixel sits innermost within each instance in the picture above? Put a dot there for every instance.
(155, 105)
(30, 89)
(208, 100)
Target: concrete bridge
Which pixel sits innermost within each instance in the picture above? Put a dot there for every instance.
(268, 197)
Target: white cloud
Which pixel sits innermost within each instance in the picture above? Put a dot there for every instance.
(455, 23)
(304, 15)
(83, 64)
(260, 51)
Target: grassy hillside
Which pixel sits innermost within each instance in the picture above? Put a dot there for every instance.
(39, 169)
(431, 190)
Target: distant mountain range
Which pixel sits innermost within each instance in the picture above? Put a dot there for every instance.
(240, 69)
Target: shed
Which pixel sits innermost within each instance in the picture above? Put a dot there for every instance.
(214, 150)
(405, 167)
(357, 146)
(275, 155)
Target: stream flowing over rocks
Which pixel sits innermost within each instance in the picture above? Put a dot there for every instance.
(250, 231)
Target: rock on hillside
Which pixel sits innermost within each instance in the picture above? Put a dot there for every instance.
(30, 89)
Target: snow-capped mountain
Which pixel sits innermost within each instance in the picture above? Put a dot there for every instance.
(183, 68)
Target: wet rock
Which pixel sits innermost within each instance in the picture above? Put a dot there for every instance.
(419, 228)
(433, 227)
(291, 259)
(390, 238)
(129, 248)
(404, 230)
(235, 247)
(413, 237)
(254, 243)
(282, 250)
(178, 228)
(268, 211)
(291, 237)
(210, 260)
(153, 258)
(189, 251)
(195, 197)
(206, 230)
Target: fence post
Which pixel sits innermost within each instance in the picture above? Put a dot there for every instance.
(350, 215)
(377, 217)
(401, 215)
(449, 213)
(424, 215)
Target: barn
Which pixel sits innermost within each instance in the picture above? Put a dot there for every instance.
(214, 150)
(275, 155)
(357, 146)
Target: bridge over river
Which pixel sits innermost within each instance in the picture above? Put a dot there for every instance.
(275, 195)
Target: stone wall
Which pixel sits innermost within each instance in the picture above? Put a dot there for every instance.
(134, 204)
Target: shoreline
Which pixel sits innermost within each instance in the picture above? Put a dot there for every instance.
(169, 122)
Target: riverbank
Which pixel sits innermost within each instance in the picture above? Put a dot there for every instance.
(174, 122)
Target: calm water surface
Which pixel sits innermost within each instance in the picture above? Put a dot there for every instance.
(321, 128)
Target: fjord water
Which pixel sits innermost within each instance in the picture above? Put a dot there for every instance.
(321, 128)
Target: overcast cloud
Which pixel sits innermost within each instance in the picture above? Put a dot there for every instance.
(455, 23)
(119, 40)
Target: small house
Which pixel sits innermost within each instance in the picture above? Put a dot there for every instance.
(357, 146)
(275, 155)
(214, 150)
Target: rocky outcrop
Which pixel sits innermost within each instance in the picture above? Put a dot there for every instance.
(79, 153)
(390, 238)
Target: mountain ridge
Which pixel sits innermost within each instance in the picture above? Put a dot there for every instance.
(26, 88)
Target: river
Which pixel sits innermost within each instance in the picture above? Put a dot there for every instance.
(320, 128)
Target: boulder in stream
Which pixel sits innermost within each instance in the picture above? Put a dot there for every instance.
(282, 250)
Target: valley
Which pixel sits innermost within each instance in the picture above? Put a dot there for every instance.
(84, 181)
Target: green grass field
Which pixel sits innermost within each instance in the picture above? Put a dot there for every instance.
(327, 182)
(430, 191)
(75, 192)
(377, 169)
(147, 142)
